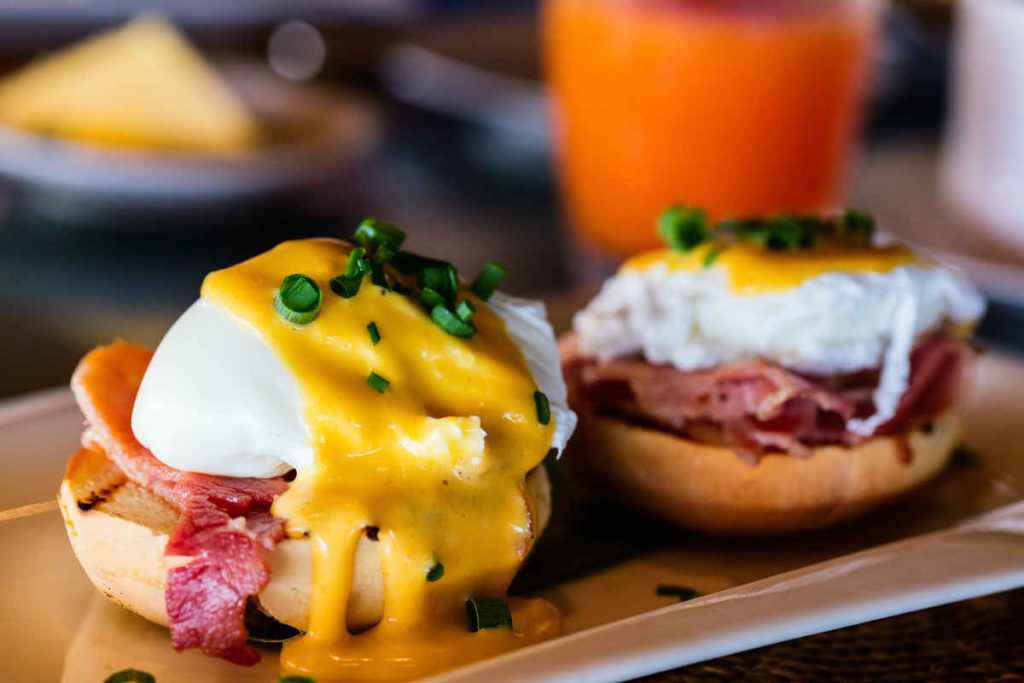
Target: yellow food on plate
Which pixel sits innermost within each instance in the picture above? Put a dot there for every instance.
(139, 86)
(347, 439)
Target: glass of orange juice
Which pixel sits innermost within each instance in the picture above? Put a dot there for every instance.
(736, 106)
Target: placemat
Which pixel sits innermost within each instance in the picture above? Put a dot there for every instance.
(975, 640)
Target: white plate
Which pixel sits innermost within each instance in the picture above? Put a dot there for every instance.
(318, 133)
(616, 627)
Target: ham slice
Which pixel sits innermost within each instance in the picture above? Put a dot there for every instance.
(758, 407)
(225, 524)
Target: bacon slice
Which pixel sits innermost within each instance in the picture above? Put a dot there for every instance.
(225, 522)
(757, 407)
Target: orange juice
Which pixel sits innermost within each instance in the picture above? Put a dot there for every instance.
(736, 106)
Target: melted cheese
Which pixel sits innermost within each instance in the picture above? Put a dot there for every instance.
(437, 463)
(755, 270)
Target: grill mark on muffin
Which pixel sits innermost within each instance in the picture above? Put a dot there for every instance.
(96, 498)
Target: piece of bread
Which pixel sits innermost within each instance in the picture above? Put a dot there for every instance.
(140, 86)
(118, 531)
(711, 489)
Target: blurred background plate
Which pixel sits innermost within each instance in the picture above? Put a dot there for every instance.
(314, 134)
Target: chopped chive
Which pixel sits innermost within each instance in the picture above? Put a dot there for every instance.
(683, 227)
(130, 676)
(443, 279)
(296, 679)
(855, 222)
(378, 383)
(431, 298)
(451, 323)
(543, 407)
(778, 233)
(745, 229)
(465, 310)
(712, 256)
(357, 264)
(374, 233)
(384, 253)
(684, 593)
(409, 264)
(346, 286)
(488, 613)
(789, 232)
(435, 572)
(374, 333)
(298, 299)
(489, 279)
(377, 275)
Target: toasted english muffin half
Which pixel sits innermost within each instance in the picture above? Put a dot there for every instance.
(710, 488)
(118, 531)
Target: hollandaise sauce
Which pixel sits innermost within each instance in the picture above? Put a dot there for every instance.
(432, 454)
(752, 269)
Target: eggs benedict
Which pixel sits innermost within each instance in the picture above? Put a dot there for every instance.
(341, 438)
(768, 375)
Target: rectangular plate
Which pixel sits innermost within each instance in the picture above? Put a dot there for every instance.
(599, 563)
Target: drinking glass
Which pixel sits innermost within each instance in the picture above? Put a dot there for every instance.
(736, 106)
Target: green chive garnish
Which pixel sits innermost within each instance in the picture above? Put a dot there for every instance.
(374, 333)
(346, 286)
(357, 263)
(543, 407)
(378, 383)
(779, 233)
(298, 299)
(712, 256)
(384, 253)
(374, 233)
(489, 279)
(435, 572)
(683, 227)
(377, 275)
(410, 264)
(858, 223)
(451, 323)
(296, 679)
(443, 279)
(488, 613)
(788, 232)
(683, 593)
(130, 676)
(465, 311)
(431, 298)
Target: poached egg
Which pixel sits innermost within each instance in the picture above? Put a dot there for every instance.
(819, 312)
(217, 399)
(434, 458)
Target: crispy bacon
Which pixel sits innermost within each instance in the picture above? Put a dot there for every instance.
(225, 523)
(756, 406)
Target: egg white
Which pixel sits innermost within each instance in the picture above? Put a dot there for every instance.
(216, 399)
(833, 323)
